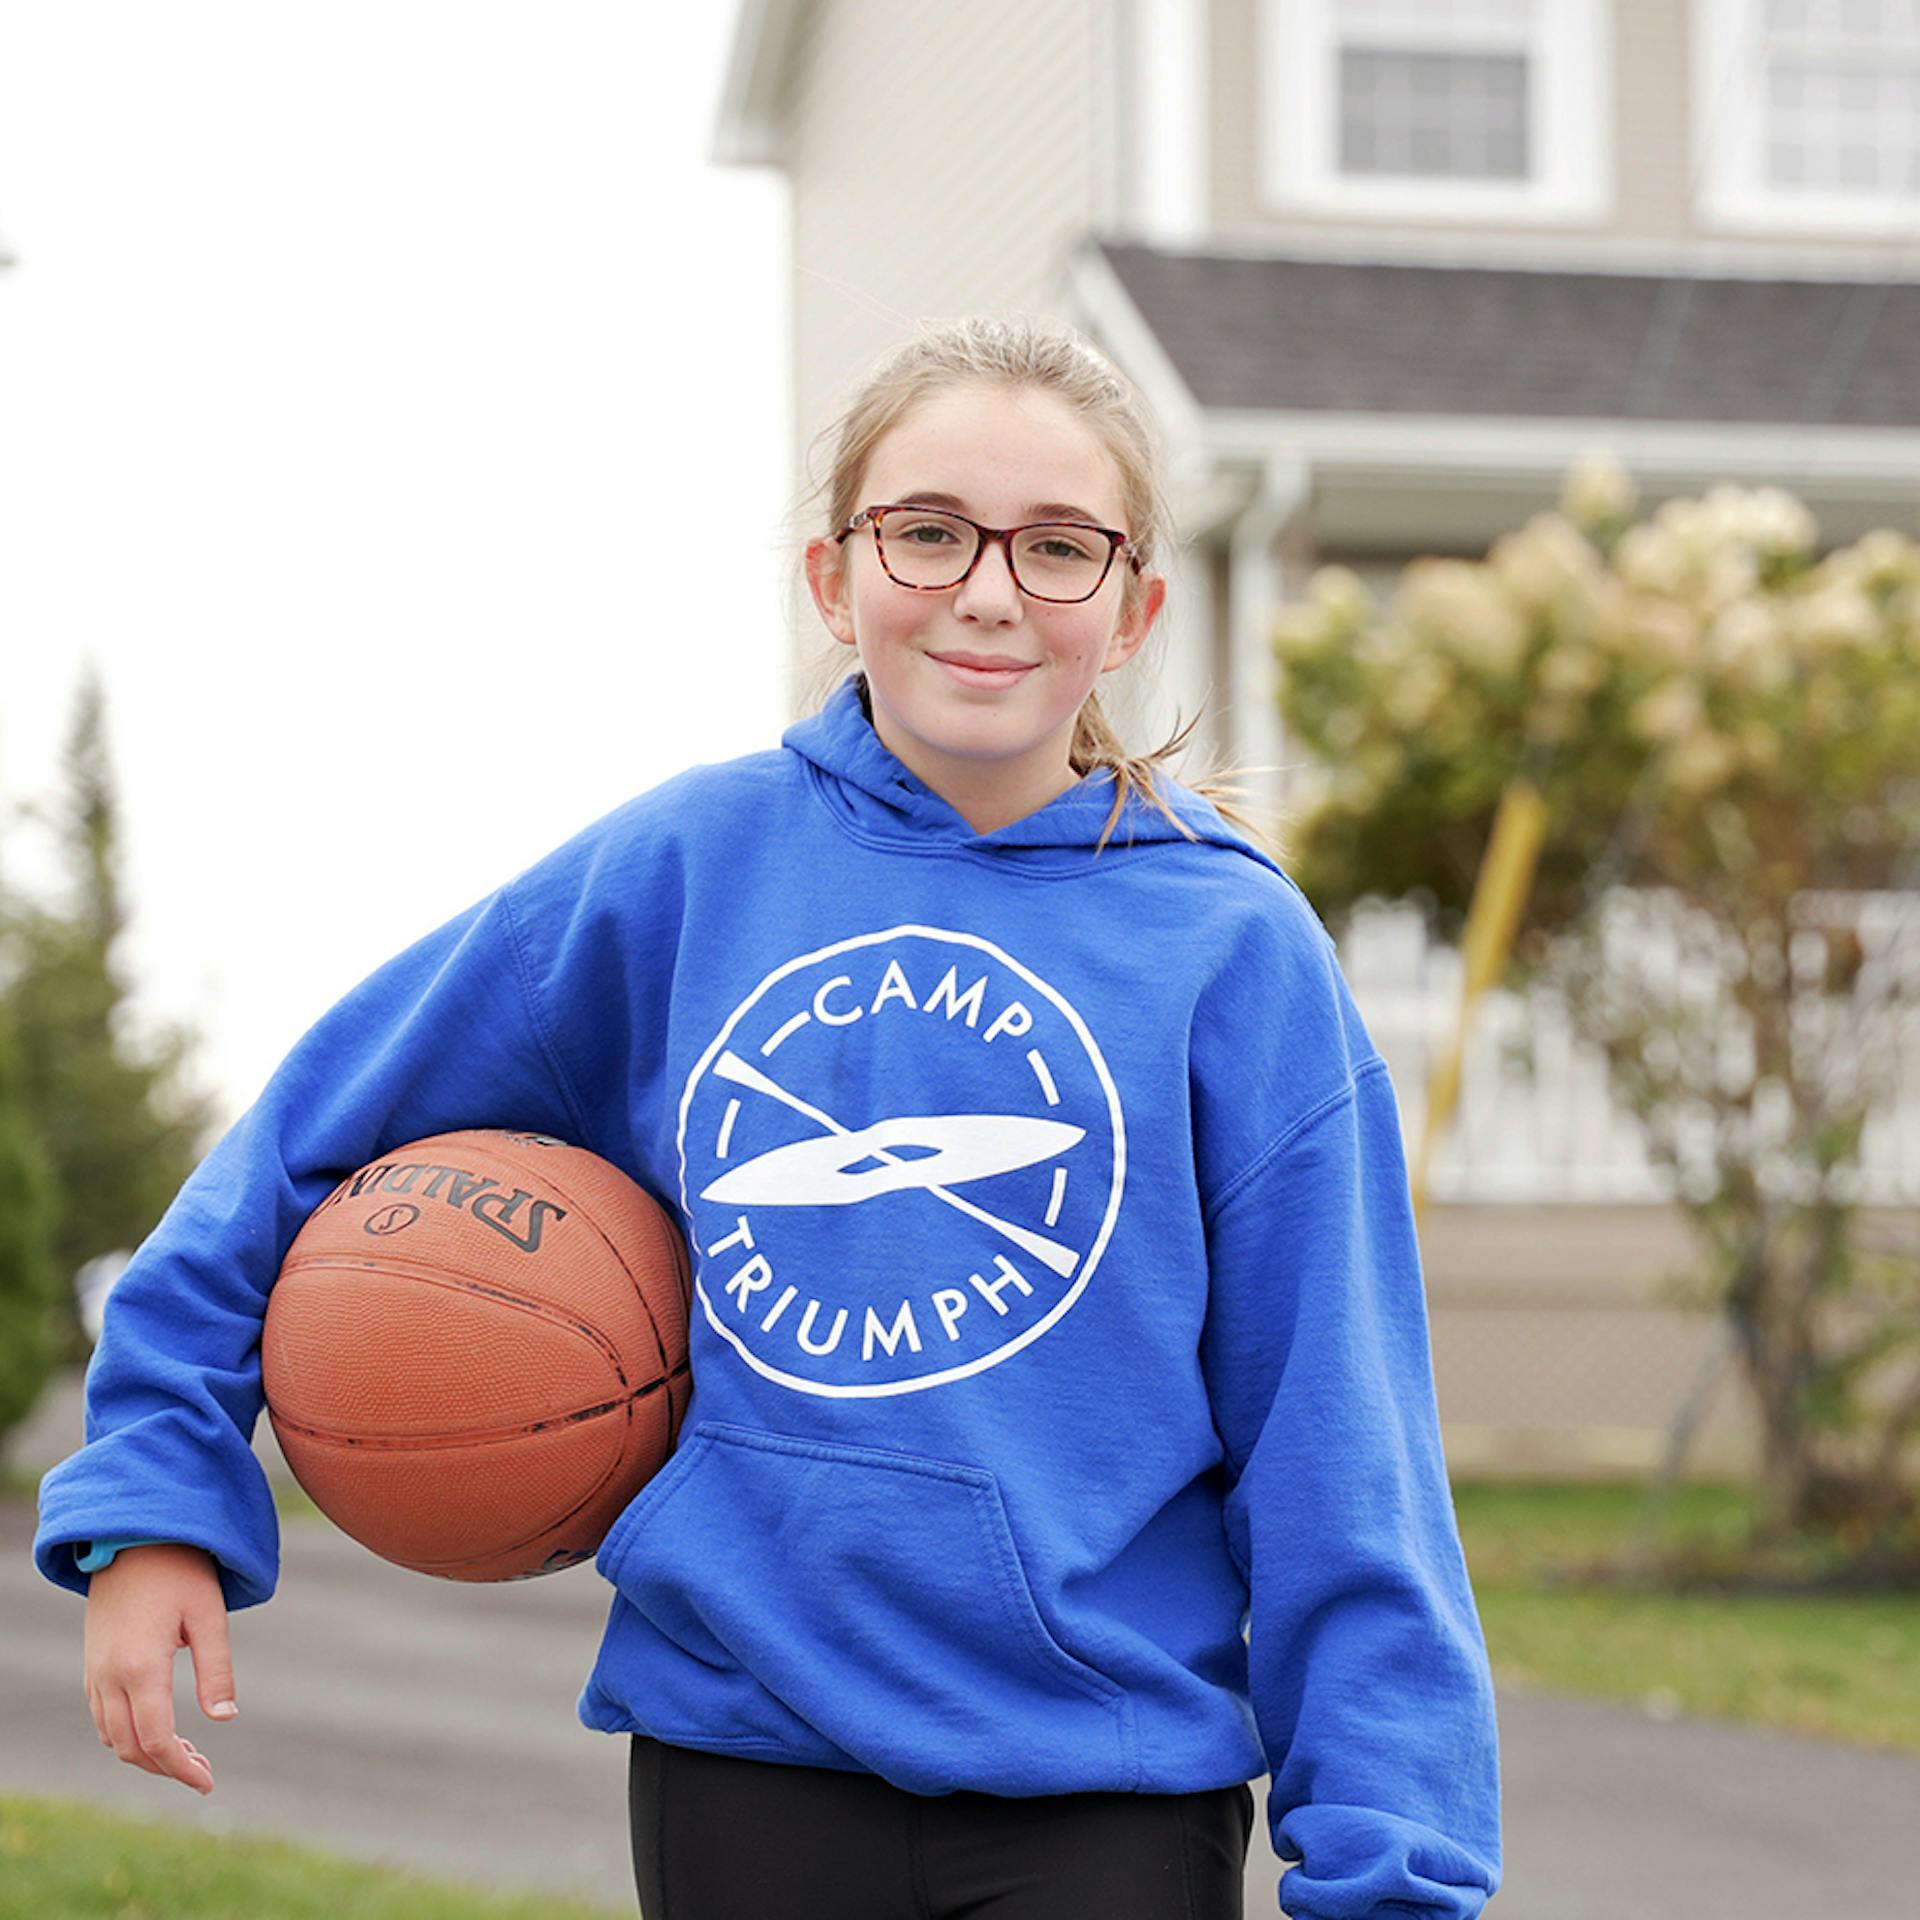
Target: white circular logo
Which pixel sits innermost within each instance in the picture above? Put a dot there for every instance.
(901, 1158)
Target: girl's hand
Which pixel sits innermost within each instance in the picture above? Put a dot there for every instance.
(141, 1610)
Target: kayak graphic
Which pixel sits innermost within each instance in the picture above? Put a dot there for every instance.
(831, 1172)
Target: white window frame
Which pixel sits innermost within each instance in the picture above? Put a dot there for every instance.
(1569, 136)
(1729, 140)
(1160, 155)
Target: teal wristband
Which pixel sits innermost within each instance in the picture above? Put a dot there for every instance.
(99, 1553)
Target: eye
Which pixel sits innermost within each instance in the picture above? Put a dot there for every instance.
(1057, 545)
(924, 533)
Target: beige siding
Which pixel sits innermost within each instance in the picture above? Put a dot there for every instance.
(1650, 150)
(1652, 121)
(986, 112)
(941, 160)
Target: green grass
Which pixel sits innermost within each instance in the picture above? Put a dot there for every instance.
(1846, 1666)
(63, 1860)
(293, 1504)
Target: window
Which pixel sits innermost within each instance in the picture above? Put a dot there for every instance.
(1447, 109)
(1807, 114)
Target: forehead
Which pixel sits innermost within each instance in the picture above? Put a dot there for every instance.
(997, 451)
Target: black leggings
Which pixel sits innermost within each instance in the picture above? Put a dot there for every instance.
(718, 1837)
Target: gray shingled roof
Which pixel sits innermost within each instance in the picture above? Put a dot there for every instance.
(1328, 335)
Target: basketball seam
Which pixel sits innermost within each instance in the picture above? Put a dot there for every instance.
(656, 1219)
(397, 1442)
(545, 1310)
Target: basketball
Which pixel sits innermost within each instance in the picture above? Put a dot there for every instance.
(475, 1354)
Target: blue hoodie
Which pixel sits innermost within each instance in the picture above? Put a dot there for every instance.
(1063, 1413)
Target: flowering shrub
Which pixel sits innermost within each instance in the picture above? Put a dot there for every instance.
(1753, 708)
(1722, 719)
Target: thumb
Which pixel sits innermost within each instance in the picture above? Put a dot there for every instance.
(212, 1663)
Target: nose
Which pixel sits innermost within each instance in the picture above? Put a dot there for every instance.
(988, 593)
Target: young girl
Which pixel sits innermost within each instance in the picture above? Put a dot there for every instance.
(1063, 1451)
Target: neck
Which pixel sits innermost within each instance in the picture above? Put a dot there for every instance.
(988, 795)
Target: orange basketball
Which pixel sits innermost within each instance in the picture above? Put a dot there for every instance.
(475, 1354)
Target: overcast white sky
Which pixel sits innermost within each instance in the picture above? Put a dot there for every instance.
(369, 376)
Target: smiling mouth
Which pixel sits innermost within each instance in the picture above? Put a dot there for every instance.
(984, 676)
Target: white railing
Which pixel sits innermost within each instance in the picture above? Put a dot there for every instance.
(1557, 1134)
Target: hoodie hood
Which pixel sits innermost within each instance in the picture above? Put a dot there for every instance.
(875, 796)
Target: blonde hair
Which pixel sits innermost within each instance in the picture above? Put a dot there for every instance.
(1026, 353)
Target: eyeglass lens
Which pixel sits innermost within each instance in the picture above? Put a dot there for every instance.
(1056, 562)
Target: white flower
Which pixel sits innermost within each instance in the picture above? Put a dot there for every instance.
(1718, 519)
(1778, 523)
(1652, 558)
(1760, 520)
(1597, 489)
(1764, 519)
(1546, 560)
(1664, 633)
(1571, 671)
(1303, 633)
(1834, 615)
(1747, 647)
(1730, 574)
(1667, 711)
(1412, 694)
(1340, 593)
(1462, 606)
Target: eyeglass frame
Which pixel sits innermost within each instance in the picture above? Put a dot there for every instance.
(871, 516)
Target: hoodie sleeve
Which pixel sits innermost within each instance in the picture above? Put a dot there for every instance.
(1367, 1668)
(445, 1035)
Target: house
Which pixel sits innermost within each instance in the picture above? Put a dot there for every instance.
(1386, 269)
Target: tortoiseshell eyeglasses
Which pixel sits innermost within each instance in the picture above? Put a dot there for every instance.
(932, 550)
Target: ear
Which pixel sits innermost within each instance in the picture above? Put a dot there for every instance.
(827, 580)
(1134, 626)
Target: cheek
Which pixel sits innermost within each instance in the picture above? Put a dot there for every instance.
(882, 611)
(1082, 637)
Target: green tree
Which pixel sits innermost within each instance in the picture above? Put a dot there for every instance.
(111, 1114)
(1721, 728)
(30, 1291)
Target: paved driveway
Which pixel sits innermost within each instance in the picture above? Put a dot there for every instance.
(431, 1724)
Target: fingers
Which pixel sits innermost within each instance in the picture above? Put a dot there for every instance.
(161, 1749)
(117, 1722)
(205, 1631)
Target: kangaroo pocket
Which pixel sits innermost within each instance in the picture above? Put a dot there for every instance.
(877, 1598)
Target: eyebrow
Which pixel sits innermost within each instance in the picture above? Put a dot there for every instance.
(1040, 510)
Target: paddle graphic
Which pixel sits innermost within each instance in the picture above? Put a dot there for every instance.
(963, 1147)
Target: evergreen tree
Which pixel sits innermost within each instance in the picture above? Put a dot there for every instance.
(112, 1117)
(31, 1333)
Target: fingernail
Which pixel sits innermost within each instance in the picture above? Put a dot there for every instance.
(224, 1709)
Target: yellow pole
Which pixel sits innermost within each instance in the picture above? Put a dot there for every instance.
(1499, 893)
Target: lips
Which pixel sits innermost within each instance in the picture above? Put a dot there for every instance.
(980, 670)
